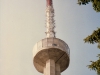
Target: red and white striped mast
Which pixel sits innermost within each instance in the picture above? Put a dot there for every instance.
(50, 22)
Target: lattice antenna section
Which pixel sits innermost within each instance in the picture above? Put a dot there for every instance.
(50, 22)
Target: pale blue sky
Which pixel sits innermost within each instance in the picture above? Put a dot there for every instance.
(22, 24)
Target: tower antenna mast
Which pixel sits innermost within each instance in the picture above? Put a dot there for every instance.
(50, 22)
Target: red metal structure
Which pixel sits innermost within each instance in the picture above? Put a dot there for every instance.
(49, 2)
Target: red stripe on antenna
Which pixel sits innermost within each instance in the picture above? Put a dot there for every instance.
(49, 2)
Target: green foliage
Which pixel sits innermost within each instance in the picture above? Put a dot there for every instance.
(94, 37)
(95, 65)
(95, 4)
(83, 2)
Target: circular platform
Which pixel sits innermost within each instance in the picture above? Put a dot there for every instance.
(51, 48)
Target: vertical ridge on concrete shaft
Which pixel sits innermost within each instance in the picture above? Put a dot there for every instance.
(51, 68)
(50, 23)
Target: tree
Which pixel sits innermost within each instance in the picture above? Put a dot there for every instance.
(95, 65)
(94, 38)
(95, 4)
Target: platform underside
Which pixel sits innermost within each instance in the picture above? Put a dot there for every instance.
(59, 56)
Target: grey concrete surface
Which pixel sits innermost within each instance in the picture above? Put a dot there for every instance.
(51, 48)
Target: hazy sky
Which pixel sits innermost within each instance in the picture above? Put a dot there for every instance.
(22, 24)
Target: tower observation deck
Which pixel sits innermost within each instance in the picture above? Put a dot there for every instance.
(51, 55)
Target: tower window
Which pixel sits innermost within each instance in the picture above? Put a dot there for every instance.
(54, 44)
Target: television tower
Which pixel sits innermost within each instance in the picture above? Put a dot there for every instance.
(51, 55)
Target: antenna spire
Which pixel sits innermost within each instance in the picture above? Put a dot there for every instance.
(50, 22)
